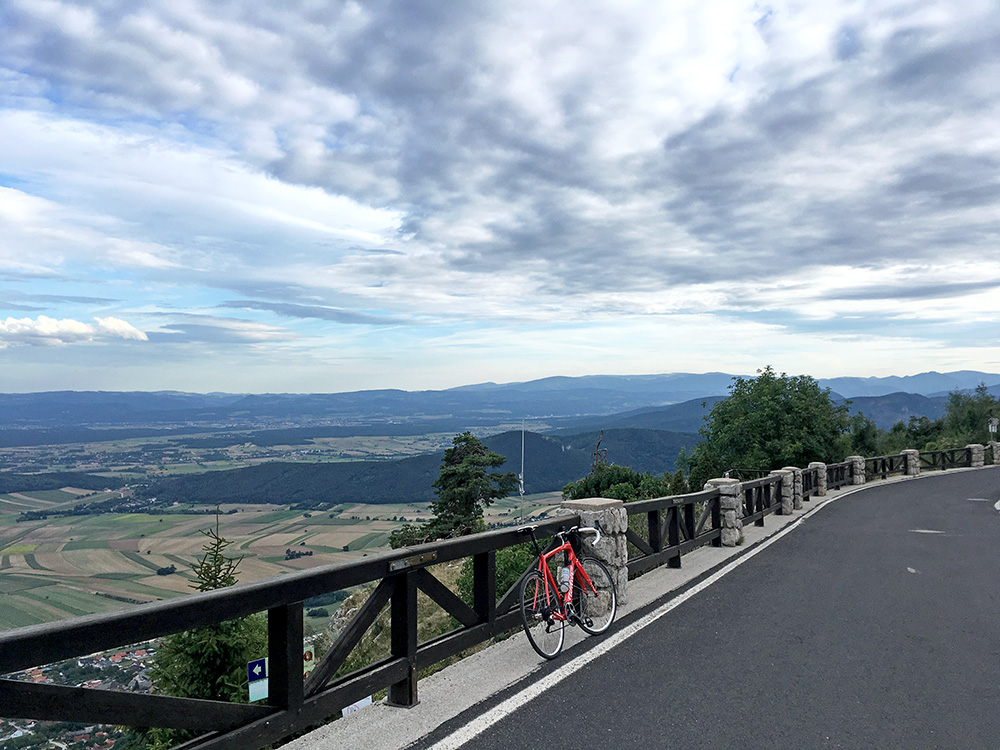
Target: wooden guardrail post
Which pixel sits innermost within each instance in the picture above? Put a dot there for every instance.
(819, 469)
(911, 457)
(284, 637)
(857, 469)
(403, 639)
(731, 503)
(612, 550)
(484, 590)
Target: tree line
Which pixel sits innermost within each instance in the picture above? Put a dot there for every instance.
(770, 421)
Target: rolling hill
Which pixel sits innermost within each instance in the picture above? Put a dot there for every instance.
(550, 462)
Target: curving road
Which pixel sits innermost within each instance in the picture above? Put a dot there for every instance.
(874, 623)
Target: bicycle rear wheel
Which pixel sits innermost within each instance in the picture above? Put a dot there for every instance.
(545, 634)
(596, 609)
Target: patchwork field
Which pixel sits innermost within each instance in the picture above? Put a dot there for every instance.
(68, 566)
(176, 454)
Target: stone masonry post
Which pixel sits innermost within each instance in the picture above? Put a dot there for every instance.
(820, 468)
(731, 504)
(995, 452)
(796, 486)
(857, 469)
(787, 490)
(978, 454)
(912, 458)
(612, 549)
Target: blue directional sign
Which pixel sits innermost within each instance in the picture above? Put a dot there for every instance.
(257, 670)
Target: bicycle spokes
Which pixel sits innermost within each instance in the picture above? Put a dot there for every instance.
(544, 628)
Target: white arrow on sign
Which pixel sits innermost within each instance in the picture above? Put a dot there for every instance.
(257, 670)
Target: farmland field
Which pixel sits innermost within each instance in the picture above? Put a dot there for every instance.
(66, 566)
(177, 454)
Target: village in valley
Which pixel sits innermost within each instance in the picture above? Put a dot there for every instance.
(113, 670)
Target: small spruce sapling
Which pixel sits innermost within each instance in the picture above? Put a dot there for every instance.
(208, 662)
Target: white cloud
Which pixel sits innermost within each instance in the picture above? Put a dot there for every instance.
(191, 212)
(42, 237)
(118, 327)
(46, 331)
(799, 167)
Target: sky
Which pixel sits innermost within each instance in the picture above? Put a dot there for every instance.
(322, 196)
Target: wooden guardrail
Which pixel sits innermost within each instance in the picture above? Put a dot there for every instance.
(674, 525)
(293, 703)
(884, 466)
(761, 498)
(954, 458)
(839, 474)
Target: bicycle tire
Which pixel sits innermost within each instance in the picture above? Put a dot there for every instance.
(596, 611)
(545, 634)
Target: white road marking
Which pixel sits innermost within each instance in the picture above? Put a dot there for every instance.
(912, 570)
(925, 531)
(470, 731)
(997, 506)
(979, 500)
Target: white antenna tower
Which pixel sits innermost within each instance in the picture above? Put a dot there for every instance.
(520, 477)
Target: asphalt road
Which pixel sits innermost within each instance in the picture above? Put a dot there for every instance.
(875, 623)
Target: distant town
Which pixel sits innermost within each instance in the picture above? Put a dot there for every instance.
(111, 670)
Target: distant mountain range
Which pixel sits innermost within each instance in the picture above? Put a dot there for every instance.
(925, 384)
(562, 402)
(643, 422)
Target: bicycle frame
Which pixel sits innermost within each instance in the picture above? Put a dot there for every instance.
(576, 573)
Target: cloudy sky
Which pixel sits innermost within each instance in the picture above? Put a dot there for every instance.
(315, 195)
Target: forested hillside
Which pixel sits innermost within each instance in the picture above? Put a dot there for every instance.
(885, 411)
(550, 462)
(56, 480)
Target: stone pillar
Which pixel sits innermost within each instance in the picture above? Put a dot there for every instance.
(912, 458)
(787, 490)
(731, 504)
(612, 549)
(994, 452)
(978, 455)
(820, 468)
(796, 486)
(857, 469)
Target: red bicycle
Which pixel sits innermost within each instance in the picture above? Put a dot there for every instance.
(581, 592)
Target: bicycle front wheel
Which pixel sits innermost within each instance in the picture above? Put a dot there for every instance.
(538, 605)
(596, 607)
